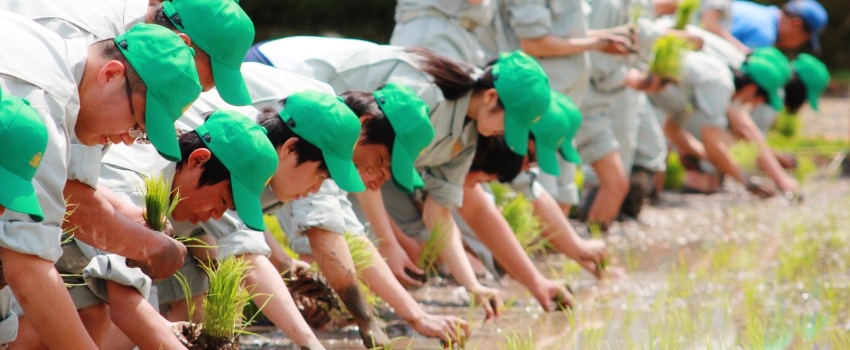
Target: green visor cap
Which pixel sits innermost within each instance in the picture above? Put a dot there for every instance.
(167, 67)
(245, 150)
(553, 131)
(768, 76)
(225, 32)
(23, 139)
(326, 122)
(773, 54)
(524, 91)
(408, 115)
(814, 75)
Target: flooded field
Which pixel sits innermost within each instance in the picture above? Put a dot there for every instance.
(724, 271)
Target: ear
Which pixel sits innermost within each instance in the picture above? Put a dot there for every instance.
(491, 96)
(186, 39)
(111, 71)
(199, 157)
(287, 149)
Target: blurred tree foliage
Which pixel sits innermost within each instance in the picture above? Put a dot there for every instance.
(373, 20)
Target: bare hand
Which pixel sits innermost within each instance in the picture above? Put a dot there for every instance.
(758, 189)
(490, 299)
(552, 296)
(450, 329)
(592, 255)
(400, 263)
(615, 45)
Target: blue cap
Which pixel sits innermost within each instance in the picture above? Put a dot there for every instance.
(813, 13)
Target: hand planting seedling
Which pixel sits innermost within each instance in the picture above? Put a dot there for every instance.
(160, 202)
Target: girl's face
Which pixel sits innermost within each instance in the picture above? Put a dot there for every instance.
(490, 115)
(373, 164)
(292, 180)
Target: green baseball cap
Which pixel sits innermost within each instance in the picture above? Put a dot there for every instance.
(814, 75)
(773, 54)
(326, 122)
(245, 150)
(553, 131)
(408, 115)
(524, 91)
(23, 140)
(165, 64)
(768, 76)
(225, 32)
(568, 150)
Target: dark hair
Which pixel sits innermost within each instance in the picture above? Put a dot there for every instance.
(376, 130)
(214, 170)
(279, 133)
(455, 79)
(493, 156)
(795, 94)
(741, 80)
(159, 17)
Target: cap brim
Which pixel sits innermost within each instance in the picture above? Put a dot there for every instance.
(516, 135)
(19, 195)
(230, 84)
(404, 172)
(774, 100)
(344, 173)
(160, 130)
(570, 153)
(547, 159)
(247, 205)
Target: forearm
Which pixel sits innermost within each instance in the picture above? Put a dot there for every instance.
(373, 207)
(491, 228)
(437, 217)
(715, 140)
(97, 222)
(743, 124)
(558, 230)
(553, 46)
(138, 319)
(380, 280)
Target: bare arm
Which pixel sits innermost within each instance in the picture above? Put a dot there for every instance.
(743, 124)
(373, 207)
(101, 225)
(437, 217)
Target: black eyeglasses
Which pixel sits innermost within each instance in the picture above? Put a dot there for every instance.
(136, 131)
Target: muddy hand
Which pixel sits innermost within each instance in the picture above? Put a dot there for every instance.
(491, 301)
(374, 336)
(758, 189)
(565, 300)
(400, 264)
(450, 329)
(165, 258)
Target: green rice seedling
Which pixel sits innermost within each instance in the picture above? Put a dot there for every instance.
(667, 55)
(431, 250)
(519, 213)
(501, 193)
(517, 341)
(674, 177)
(225, 299)
(746, 155)
(160, 201)
(273, 226)
(684, 12)
(361, 254)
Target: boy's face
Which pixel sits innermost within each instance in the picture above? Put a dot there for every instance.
(373, 164)
(200, 203)
(108, 108)
(292, 180)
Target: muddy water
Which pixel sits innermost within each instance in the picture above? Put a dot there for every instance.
(719, 271)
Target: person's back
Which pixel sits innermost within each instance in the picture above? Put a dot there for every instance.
(91, 20)
(755, 25)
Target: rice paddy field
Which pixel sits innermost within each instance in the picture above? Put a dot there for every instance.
(725, 271)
